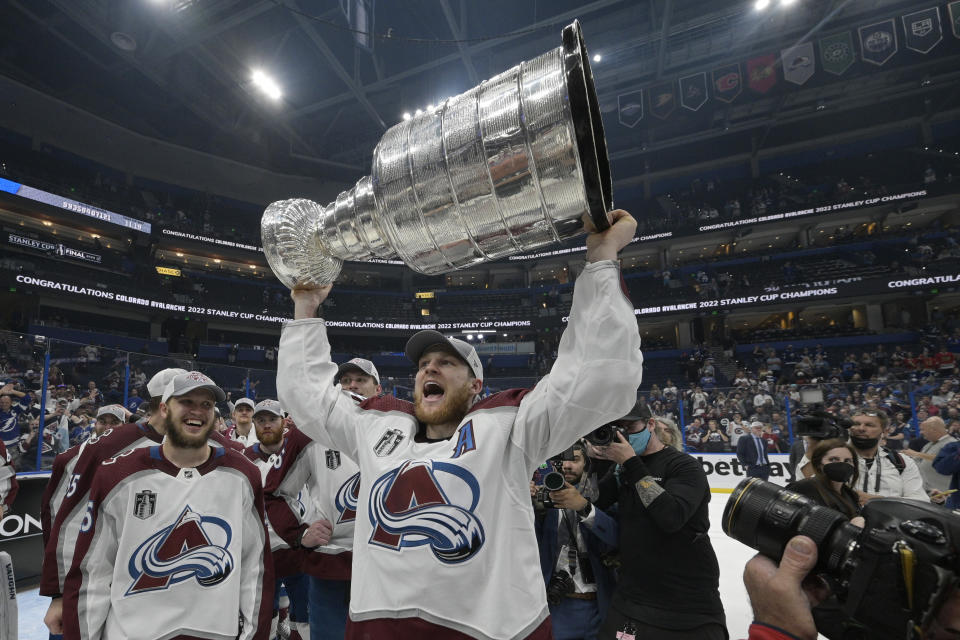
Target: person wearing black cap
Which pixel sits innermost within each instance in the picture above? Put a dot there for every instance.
(444, 542)
(669, 576)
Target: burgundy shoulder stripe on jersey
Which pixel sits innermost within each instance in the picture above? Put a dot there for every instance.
(508, 398)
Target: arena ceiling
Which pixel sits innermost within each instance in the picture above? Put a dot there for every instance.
(180, 70)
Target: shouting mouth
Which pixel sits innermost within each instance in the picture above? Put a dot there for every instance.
(433, 392)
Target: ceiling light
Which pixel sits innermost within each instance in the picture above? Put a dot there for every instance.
(760, 5)
(47, 223)
(217, 260)
(429, 107)
(407, 116)
(179, 255)
(786, 3)
(597, 57)
(418, 112)
(266, 84)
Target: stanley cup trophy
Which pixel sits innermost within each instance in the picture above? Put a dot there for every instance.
(509, 166)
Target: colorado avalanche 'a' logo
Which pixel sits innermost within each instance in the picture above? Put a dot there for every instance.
(194, 546)
(347, 496)
(419, 503)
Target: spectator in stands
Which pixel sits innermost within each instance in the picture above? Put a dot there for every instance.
(715, 440)
(693, 433)
(735, 430)
(134, 401)
(935, 433)
(10, 416)
(896, 433)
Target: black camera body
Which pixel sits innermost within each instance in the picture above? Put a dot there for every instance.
(552, 481)
(822, 425)
(604, 435)
(891, 576)
(560, 585)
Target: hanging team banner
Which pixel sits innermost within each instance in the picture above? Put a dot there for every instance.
(693, 91)
(762, 73)
(726, 82)
(836, 53)
(798, 63)
(922, 30)
(878, 42)
(662, 100)
(953, 9)
(630, 108)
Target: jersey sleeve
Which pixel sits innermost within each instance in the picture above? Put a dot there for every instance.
(256, 566)
(87, 585)
(595, 377)
(62, 538)
(305, 386)
(8, 479)
(282, 486)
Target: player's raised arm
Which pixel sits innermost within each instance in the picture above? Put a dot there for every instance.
(599, 364)
(305, 376)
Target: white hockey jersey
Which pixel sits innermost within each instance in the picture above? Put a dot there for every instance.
(445, 530)
(165, 551)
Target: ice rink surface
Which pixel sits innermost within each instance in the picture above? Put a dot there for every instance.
(732, 556)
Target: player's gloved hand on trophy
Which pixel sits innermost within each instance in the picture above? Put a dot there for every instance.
(317, 534)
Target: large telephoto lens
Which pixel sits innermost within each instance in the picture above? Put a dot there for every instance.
(553, 481)
(764, 516)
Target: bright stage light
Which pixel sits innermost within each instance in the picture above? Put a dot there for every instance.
(407, 116)
(266, 84)
(597, 57)
(760, 5)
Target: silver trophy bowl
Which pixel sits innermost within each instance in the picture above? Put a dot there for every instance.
(509, 166)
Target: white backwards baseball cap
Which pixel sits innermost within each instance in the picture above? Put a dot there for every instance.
(190, 381)
(422, 340)
(158, 383)
(270, 406)
(112, 410)
(358, 364)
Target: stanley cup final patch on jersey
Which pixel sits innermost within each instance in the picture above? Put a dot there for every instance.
(388, 442)
(145, 504)
(333, 459)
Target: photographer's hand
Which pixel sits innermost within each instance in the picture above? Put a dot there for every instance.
(568, 498)
(780, 595)
(619, 451)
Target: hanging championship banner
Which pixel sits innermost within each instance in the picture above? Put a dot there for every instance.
(762, 73)
(836, 53)
(693, 91)
(630, 108)
(726, 82)
(878, 42)
(798, 62)
(662, 100)
(922, 30)
(953, 9)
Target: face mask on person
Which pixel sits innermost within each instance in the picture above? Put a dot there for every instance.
(838, 471)
(864, 443)
(639, 441)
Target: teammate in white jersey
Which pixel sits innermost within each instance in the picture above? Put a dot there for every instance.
(324, 484)
(243, 430)
(174, 542)
(444, 545)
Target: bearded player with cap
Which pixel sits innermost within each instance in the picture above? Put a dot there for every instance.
(444, 544)
(173, 542)
(325, 484)
(288, 561)
(63, 504)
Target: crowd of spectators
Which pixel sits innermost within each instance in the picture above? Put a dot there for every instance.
(774, 387)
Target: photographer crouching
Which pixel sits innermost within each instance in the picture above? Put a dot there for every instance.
(576, 540)
(668, 581)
